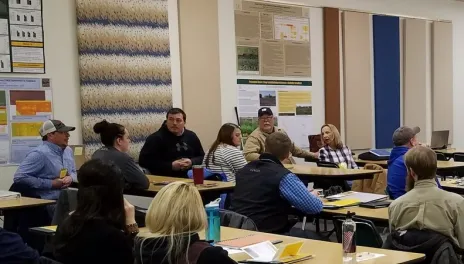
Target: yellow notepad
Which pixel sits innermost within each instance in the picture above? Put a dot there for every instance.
(342, 203)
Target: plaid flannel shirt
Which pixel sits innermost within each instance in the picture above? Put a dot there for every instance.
(337, 156)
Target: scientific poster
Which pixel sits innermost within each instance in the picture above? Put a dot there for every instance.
(289, 100)
(25, 103)
(21, 26)
(272, 39)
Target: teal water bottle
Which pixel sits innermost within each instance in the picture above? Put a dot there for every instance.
(213, 230)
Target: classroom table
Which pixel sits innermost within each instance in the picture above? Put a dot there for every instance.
(441, 164)
(317, 173)
(23, 202)
(209, 191)
(452, 186)
(324, 252)
(378, 214)
(161, 180)
(449, 152)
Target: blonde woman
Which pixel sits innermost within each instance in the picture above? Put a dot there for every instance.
(334, 150)
(175, 217)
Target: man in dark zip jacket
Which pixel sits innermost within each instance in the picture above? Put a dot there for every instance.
(173, 149)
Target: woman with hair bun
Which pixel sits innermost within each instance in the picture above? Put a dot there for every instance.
(115, 139)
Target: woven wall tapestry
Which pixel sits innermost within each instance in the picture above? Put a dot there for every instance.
(125, 68)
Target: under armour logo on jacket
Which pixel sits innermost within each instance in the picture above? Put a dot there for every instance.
(183, 146)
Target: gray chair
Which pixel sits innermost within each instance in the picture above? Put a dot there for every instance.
(67, 202)
(236, 220)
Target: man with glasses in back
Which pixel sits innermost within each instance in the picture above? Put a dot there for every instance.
(254, 145)
(50, 167)
(173, 149)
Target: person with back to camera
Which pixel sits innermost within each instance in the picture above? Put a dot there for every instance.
(115, 139)
(255, 143)
(175, 217)
(102, 228)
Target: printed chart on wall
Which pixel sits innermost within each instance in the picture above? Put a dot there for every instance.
(290, 102)
(25, 103)
(21, 36)
(272, 39)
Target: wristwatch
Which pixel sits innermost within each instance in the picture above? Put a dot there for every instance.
(132, 229)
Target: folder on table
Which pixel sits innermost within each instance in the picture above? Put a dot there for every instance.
(244, 241)
(341, 203)
(266, 252)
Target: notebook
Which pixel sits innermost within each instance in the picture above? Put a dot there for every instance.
(7, 195)
(380, 152)
(341, 203)
(266, 252)
(245, 241)
(361, 196)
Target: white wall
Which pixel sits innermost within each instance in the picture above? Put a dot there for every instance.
(61, 66)
(429, 9)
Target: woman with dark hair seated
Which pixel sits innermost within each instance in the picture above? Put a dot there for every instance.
(103, 227)
(115, 139)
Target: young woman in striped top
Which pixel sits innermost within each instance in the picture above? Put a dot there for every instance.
(223, 155)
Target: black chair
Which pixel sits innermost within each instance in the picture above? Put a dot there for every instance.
(366, 233)
(441, 156)
(458, 156)
(327, 164)
(67, 202)
(236, 220)
(444, 174)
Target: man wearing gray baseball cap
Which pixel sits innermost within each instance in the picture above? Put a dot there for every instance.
(403, 138)
(49, 167)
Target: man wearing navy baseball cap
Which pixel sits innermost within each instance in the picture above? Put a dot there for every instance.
(49, 167)
(254, 146)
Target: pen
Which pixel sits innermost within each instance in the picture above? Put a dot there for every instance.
(275, 242)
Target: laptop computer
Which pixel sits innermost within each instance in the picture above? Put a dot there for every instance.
(439, 139)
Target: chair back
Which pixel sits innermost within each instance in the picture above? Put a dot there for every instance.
(327, 164)
(236, 220)
(67, 202)
(441, 156)
(366, 233)
(315, 142)
(378, 184)
(458, 156)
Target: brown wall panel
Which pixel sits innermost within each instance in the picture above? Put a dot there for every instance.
(415, 75)
(442, 77)
(357, 53)
(332, 65)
